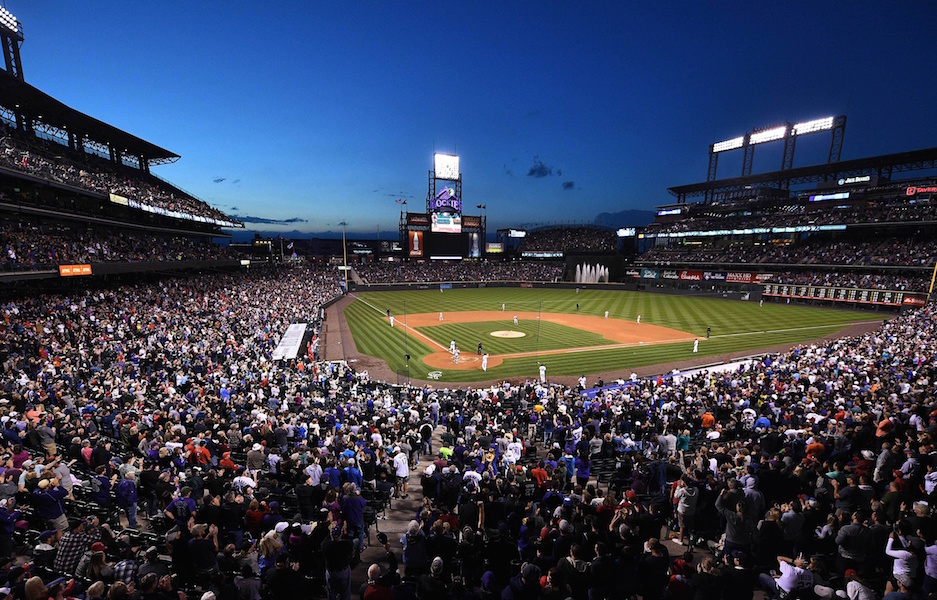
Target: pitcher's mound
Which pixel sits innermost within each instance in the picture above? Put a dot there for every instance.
(507, 334)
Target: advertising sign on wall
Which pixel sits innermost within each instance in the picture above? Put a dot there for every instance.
(415, 243)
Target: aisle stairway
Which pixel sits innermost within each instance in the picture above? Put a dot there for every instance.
(400, 513)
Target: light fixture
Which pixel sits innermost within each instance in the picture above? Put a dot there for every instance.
(813, 126)
(768, 135)
(729, 144)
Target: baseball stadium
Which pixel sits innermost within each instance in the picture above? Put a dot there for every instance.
(730, 400)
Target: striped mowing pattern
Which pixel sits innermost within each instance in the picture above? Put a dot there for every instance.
(735, 326)
(552, 336)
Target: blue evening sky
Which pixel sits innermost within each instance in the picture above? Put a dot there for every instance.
(308, 113)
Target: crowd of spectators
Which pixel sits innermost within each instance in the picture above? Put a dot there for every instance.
(47, 160)
(433, 271)
(902, 282)
(570, 239)
(159, 405)
(899, 209)
(29, 246)
(905, 252)
(818, 464)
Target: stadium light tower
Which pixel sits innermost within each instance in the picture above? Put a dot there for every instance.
(784, 131)
(11, 36)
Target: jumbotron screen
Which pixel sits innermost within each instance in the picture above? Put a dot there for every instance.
(424, 244)
(442, 245)
(443, 222)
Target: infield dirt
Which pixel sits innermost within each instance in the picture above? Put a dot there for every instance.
(620, 332)
(339, 344)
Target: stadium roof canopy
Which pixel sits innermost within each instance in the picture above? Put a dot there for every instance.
(22, 98)
(882, 166)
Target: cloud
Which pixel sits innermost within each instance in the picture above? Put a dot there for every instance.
(539, 170)
(236, 181)
(219, 179)
(569, 185)
(234, 208)
(262, 220)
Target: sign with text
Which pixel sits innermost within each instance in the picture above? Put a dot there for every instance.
(418, 219)
(739, 277)
(840, 294)
(74, 270)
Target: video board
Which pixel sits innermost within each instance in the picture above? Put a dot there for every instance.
(444, 222)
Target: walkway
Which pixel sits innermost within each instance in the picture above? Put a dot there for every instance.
(402, 511)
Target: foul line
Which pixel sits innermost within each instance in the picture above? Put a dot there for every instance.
(789, 329)
(660, 342)
(617, 346)
(402, 324)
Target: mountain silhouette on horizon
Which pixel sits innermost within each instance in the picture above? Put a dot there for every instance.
(626, 218)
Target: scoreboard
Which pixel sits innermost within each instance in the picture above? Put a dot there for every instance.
(844, 294)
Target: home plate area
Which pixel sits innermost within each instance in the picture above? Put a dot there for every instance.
(619, 332)
(467, 362)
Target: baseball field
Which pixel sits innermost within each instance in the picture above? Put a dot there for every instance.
(572, 333)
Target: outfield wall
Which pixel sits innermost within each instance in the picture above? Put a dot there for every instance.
(466, 285)
(729, 291)
(750, 292)
(723, 289)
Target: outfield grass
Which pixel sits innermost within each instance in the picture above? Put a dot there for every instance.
(736, 326)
